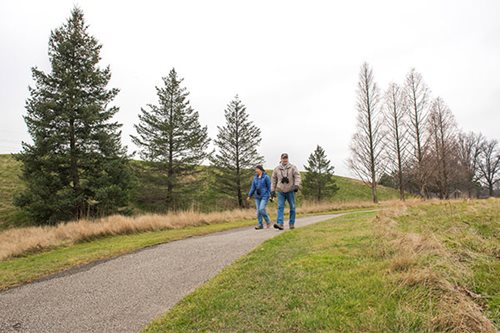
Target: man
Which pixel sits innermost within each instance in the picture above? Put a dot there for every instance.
(285, 181)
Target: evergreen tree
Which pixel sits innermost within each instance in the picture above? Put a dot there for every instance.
(171, 138)
(319, 183)
(76, 165)
(237, 155)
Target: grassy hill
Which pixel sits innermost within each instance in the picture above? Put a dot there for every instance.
(146, 193)
(353, 189)
(9, 185)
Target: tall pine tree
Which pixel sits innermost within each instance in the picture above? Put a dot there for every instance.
(76, 165)
(237, 155)
(319, 183)
(171, 138)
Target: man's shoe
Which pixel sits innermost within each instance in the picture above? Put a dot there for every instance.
(292, 226)
(259, 227)
(278, 226)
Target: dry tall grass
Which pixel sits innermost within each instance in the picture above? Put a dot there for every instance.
(16, 242)
(421, 260)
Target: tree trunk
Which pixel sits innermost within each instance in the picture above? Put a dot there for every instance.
(170, 185)
(170, 166)
(75, 177)
(374, 193)
(241, 203)
(401, 187)
(444, 156)
(423, 191)
(372, 153)
(400, 166)
(239, 193)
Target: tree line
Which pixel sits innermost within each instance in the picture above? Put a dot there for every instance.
(77, 167)
(408, 139)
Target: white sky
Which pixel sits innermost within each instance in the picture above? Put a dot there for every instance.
(294, 64)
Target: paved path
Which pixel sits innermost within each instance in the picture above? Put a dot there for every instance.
(125, 293)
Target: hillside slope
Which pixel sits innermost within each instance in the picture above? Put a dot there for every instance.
(352, 190)
(10, 184)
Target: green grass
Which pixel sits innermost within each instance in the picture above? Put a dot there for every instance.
(346, 275)
(10, 183)
(34, 266)
(352, 189)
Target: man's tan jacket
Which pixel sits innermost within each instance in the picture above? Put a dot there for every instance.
(282, 171)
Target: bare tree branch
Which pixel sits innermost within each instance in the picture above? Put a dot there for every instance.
(366, 145)
(417, 95)
(489, 164)
(396, 123)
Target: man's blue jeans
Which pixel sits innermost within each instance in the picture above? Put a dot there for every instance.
(290, 197)
(261, 210)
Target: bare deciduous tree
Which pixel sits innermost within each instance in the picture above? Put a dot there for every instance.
(395, 113)
(489, 164)
(469, 147)
(419, 142)
(366, 146)
(442, 135)
(417, 95)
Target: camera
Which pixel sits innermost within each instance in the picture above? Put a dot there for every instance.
(285, 180)
(258, 191)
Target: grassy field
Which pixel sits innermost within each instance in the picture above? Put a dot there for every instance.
(429, 267)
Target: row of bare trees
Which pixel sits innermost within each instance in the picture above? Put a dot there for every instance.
(410, 140)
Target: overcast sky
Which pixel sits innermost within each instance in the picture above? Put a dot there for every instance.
(294, 64)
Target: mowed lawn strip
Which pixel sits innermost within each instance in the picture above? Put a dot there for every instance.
(356, 273)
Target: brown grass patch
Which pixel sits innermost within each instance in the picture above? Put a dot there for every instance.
(402, 263)
(16, 242)
(420, 260)
(460, 315)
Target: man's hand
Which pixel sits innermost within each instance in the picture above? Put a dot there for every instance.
(248, 198)
(295, 188)
(273, 194)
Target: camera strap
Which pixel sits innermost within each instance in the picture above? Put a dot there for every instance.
(283, 176)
